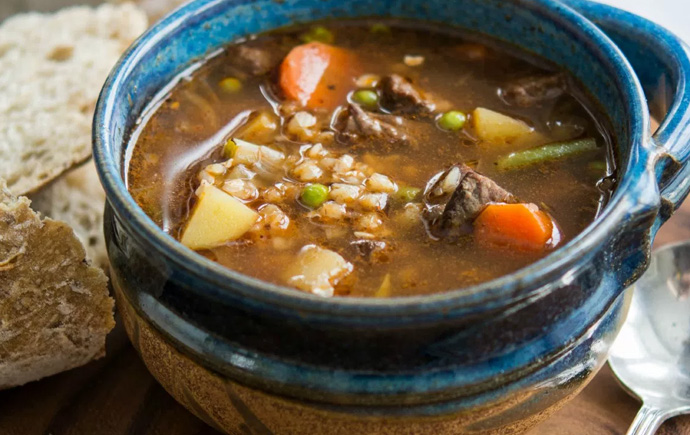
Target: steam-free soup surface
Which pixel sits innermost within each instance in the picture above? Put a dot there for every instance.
(364, 158)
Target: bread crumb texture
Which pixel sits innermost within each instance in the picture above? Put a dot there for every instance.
(52, 68)
(55, 310)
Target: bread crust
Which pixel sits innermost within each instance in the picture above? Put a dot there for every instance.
(55, 311)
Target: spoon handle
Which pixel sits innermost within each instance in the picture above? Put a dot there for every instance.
(647, 421)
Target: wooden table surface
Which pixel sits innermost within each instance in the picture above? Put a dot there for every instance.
(117, 396)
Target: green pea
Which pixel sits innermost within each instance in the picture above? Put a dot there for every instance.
(231, 85)
(318, 34)
(365, 97)
(453, 120)
(313, 195)
(379, 29)
(407, 193)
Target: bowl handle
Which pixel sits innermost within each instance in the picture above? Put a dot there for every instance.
(662, 63)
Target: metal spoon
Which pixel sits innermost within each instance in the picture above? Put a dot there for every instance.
(651, 356)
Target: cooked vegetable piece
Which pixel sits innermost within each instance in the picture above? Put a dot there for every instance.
(248, 153)
(516, 226)
(216, 219)
(318, 34)
(494, 127)
(317, 270)
(546, 153)
(260, 128)
(229, 148)
(313, 195)
(317, 75)
(231, 85)
(407, 193)
(453, 120)
(366, 97)
(384, 290)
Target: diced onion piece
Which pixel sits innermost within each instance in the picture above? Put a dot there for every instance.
(216, 219)
(317, 270)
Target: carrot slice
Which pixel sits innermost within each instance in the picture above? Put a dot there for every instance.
(318, 75)
(518, 226)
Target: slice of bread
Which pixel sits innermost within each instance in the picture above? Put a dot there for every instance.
(52, 68)
(78, 199)
(54, 307)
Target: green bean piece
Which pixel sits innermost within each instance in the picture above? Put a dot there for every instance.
(546, 153)
(407, 193)
(318, 34)
(313, 195)
(453, 120)
(365, 97)
(231, 85)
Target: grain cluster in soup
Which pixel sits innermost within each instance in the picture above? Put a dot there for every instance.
(368, 158)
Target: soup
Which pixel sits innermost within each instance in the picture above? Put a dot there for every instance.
(371, 158)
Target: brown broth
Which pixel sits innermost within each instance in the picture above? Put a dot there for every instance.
(188, 128)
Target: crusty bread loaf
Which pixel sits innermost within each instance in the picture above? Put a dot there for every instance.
(54, 307)
(52, 68)
(78, 199)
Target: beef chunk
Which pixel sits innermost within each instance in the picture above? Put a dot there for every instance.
(398, 95)
(531, 91)
(354, 123)
(472, 193)
(372, 251)
(255, 61)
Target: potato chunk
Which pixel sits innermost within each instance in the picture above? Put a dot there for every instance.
(261, 128)
(216, 219)
(498, 128)
(317, 270)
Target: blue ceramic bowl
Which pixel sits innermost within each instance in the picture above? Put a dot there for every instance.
(252, 357)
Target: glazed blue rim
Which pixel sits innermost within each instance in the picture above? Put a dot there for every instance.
(499, 289)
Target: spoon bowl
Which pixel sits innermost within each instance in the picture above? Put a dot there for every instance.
(651, 356)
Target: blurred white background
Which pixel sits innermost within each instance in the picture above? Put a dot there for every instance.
(673, 14)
